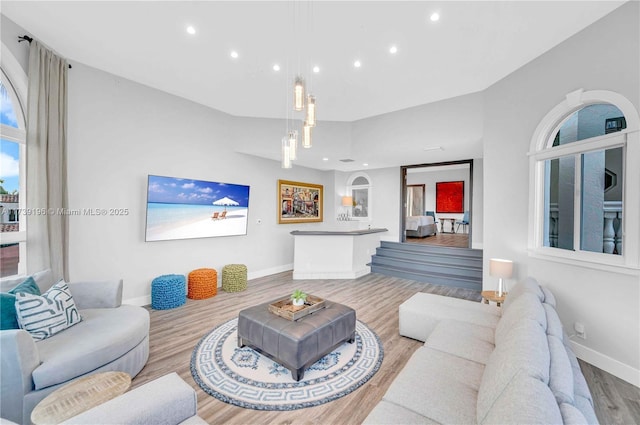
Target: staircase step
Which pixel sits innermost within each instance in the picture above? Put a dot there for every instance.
(433, 278)
(434, 257)
(424, 266)
(440, 265)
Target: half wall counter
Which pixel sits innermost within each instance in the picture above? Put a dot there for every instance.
(334, 254)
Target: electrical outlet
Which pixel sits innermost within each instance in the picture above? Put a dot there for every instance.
(581, 332)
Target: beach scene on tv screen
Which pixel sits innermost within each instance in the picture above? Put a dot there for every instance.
(185, 208)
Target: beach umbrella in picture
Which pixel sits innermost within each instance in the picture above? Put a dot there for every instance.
(225, 201)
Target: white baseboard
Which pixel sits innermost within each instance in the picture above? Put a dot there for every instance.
(146, 299)
(269, 271)
(478, 245)
(606, 363)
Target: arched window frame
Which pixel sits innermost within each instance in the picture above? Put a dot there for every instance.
(541, 150)
(351, 187)
(15, 80)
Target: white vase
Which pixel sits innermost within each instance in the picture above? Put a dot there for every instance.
(298, 302)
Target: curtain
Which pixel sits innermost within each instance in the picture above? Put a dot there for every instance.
(47, 225)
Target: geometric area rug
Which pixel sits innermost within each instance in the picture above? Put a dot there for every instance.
(246, 378)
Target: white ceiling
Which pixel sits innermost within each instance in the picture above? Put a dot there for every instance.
(473, 45)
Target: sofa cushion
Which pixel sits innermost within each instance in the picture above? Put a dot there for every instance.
(386, 412)
(526, 307)
(525, 400)
(46, 315)
(466, 340)
(549, 298)
(420, 314)
(9, 318)
(554, 325)
(103, 336)
(437, 385)
(571, 415)
(585, 407)
(560, 373)
(524, 350)
(528, 285)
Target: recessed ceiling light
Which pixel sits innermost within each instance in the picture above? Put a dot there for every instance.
(365, 164)
(435, 17)
(357, 64)
(191, 30)
(276, 67)
(393, 49)
(316, 69)
(433, 148)
(234, 54)
(325, 159)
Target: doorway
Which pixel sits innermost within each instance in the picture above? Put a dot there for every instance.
(436, 204)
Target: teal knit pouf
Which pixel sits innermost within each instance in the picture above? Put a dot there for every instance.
(234, 277)
(168, 291)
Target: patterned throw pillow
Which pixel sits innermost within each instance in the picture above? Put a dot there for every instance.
(46, 315)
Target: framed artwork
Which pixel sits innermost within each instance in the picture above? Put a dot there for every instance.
(299, 202)
(450, 197)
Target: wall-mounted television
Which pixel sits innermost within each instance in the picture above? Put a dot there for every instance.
(185, 208)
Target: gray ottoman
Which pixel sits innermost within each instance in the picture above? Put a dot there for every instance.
(296, 345)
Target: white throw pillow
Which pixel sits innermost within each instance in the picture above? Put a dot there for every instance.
(47, 314)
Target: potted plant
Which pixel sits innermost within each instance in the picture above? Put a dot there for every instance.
(298, 298)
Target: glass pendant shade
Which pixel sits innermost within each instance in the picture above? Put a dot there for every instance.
(286, 155)
(293, 145)
(306, 136)
(311, 111)
(298, 94)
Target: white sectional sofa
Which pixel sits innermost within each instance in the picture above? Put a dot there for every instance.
(484, 365)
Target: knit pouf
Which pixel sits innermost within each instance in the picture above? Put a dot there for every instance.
(203, 283)
(234, 277)
(168, 291)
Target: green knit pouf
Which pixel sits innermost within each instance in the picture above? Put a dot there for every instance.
(234, 278)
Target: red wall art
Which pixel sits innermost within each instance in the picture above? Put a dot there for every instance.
(450, 197)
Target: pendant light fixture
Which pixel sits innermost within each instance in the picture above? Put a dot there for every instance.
(311, 110)
(293, 145)
(301, 100)
(306, 136)
(286, 153)
(298, 94)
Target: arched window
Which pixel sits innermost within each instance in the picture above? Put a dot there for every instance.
(359, 186)
(12, 169)
(583, 178)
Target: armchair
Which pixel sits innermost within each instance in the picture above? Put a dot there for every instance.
(111, 336)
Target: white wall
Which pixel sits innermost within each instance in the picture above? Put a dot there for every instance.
(603, 56)
(430, 178)
(121, 131)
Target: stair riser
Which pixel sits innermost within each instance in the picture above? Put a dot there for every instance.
(436, 280)
(427, 268)
(430, 258)
(434, 249)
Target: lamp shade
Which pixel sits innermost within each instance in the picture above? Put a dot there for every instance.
(500, 268)
(347, 201)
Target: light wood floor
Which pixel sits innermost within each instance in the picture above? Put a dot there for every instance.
(174, 334)
(457, 240)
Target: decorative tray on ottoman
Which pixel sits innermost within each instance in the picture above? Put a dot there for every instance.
(285, 308)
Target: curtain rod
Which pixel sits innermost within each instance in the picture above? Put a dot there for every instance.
(29, 39)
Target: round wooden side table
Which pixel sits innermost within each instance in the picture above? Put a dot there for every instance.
(80, 396)
(493, 296)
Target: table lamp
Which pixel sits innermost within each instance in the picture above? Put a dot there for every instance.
(347, 201)
(502, 269)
